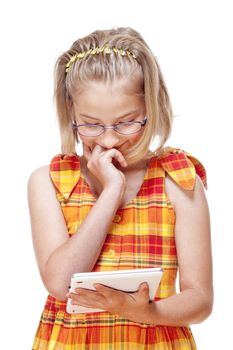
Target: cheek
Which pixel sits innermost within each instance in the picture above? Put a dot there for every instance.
(87, 141)
(134, 138)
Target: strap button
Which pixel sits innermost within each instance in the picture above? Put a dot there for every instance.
(117, 218)
(111, 253)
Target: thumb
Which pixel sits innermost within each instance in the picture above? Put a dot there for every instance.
(144, 290)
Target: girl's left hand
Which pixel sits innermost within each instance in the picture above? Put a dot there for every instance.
(135, 306)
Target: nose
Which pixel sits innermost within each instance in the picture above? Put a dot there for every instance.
(109, 139)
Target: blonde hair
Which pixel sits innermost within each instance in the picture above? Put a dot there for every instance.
(108, 68)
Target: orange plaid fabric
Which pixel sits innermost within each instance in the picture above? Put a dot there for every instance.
(141, 236)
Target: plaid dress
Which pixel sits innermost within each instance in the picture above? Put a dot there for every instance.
(141, 236)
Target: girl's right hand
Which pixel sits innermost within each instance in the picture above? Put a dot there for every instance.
(100, 164)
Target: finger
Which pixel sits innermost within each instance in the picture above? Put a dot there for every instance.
(120, 158)
(105, 290)
(85, 292)
(100, 287)
(86, 303)
(113, 153)
(83, 295)
(144, 286)
(119, 165)
(87, 298)
(144, 290)
(97, 150)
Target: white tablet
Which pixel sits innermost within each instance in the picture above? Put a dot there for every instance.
(125, 280)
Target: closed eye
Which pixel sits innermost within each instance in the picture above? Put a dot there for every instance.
(92, 124)
(128, 121)
(97, 124)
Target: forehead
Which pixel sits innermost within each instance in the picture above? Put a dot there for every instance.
(100, 97)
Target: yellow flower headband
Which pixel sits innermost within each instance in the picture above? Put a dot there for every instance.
(105, 49)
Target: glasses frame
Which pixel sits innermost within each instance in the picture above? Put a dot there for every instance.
(104, 127)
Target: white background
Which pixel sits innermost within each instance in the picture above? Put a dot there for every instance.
(193, 43)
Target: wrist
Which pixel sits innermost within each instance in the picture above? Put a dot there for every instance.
(117, 190)
(145, 316)
(149, 316)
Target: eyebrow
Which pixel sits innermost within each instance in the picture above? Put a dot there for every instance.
(123, 116)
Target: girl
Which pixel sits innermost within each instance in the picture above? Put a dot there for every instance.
(119, 205)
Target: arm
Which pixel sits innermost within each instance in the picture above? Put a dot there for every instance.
(193, 243)
(59, 256)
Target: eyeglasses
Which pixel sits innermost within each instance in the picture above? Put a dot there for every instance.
(124, 128)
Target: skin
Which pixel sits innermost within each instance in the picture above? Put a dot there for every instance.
(114, 184)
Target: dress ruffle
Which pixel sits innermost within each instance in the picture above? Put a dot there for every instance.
(67, 168)
(182, 167)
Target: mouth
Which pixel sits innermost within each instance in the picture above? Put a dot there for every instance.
(117, 164)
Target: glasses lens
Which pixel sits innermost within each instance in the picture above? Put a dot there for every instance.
(90, 130)
(125, 128)
(128, 128)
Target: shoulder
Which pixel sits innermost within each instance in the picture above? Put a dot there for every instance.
(60, 165)
(39, 182)
(185, 175)
(39, 174)
(60, 177)
(180, 197)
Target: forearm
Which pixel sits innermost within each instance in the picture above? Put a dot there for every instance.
(188, 307)
(80, 252)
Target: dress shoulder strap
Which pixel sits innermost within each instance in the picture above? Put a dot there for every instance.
(65, 173)
(182, 167)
